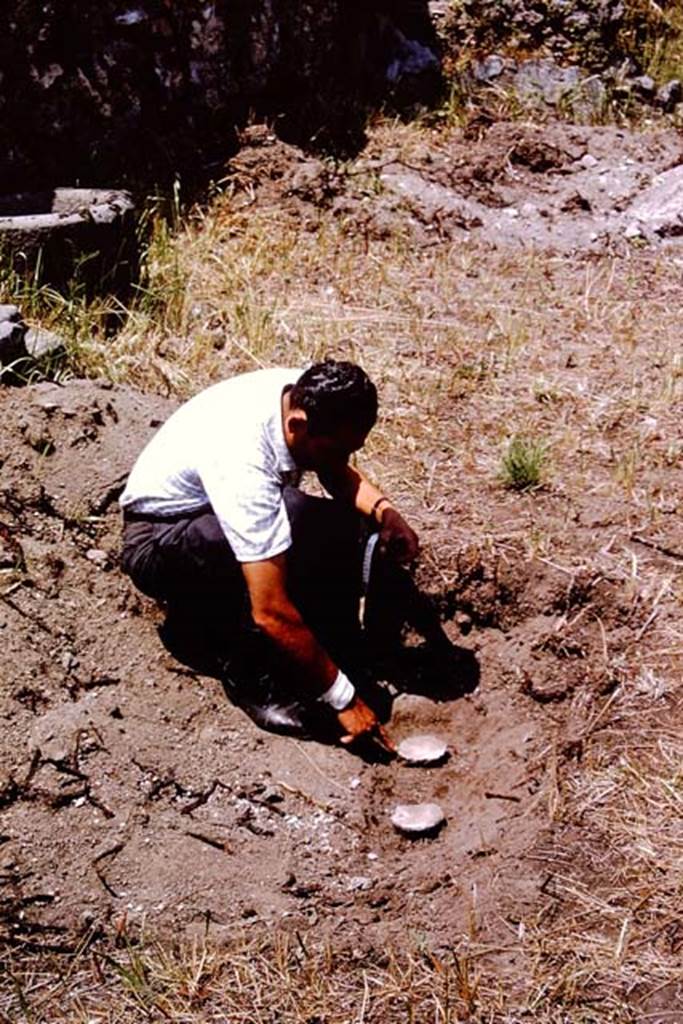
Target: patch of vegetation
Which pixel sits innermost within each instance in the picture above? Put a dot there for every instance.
(282, 978)
(523, 464)
(595, 33)
(652, 35)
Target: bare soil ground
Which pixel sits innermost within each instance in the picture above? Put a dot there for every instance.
(136, 799)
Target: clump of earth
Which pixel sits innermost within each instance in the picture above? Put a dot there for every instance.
(555, 187)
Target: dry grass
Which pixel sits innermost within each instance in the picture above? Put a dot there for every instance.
(288, 981)
(279, 979)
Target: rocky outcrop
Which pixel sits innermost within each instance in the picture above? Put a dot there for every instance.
(21, 346)
(579, 56)
(597, 33)
(124, 89)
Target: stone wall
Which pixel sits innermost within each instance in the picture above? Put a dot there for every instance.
(597, 34)
(102, 93)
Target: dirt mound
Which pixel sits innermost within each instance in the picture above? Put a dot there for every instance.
(560, 187)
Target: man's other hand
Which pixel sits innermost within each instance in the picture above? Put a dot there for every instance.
(360, 720)
(396, 538)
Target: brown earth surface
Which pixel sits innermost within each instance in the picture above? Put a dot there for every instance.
(133, 793)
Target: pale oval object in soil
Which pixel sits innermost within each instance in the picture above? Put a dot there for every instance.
(417, 819)
(422, 749)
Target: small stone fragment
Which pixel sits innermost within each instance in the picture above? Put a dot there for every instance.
(9, 313)
(425, 749)
(98, 557)
(417, 819)
(40, 342)
(360, 883)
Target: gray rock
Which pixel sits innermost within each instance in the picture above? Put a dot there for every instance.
(9, 313)
(489, 68)
(545, 80)
(659, 208)
(670, 94)
(644, 86)
(11, 342)
(39, 343)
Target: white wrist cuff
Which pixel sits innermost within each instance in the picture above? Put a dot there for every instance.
(340, 694)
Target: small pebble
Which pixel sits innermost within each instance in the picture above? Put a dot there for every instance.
(425, 749)
(417, 819)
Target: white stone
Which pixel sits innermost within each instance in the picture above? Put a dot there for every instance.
(417, 819)
(660, 207)
(422, 749)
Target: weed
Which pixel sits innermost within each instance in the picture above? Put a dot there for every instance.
(523, 464)
(456, 107)
(626, 471)
(545, 393)
(653, 33)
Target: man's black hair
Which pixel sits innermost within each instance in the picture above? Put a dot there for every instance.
(335, 394)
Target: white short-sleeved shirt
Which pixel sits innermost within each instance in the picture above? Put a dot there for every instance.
(225, 447)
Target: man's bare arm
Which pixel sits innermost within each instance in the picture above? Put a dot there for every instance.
(397, 538)
(275, 614)
(348, 484)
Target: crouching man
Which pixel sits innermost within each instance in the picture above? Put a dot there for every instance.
(259, 578)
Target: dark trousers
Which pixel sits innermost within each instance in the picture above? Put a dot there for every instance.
(188, 564)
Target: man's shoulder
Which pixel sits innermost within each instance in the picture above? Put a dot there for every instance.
(263, 380)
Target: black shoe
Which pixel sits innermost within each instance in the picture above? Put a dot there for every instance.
(284, 719)
(271, 707)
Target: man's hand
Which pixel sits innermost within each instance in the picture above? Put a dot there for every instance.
(396, 538)
(359, 720)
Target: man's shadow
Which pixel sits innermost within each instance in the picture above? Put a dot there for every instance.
(376, 657)
(442, 675)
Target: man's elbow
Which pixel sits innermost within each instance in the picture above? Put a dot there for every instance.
(272, 619)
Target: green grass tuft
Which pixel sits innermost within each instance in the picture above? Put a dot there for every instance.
(523, 464)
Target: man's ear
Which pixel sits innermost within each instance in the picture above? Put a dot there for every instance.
(297, 421)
